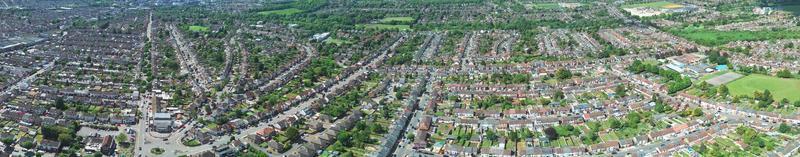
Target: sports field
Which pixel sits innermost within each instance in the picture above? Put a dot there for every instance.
(385, 27)
(779, 87)
(404, 19)
(723, 78)
(198, 28)
(546, 5)
(659, 4)
(289, 11)
(711, 37)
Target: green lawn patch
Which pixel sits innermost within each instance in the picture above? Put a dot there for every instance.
(384, 27)
(779, 87)
(337, 41)
(546, 5)
(192, 143)
(290, 11)
(711, 37)
(198, 28)
(404, 19)
(659, 5)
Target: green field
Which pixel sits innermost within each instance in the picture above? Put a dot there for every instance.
(384, 26)
(198, 28)
(337, 41)
(779, 87)
(546, 5)
(659, 4)
(712, 37)
(289, 11)
(404, 19)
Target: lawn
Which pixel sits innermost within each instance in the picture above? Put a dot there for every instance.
(385, 27)
(712, 37)
(198, 28)
(337, 41)
(404, 19)
(659, 4)
(779, 87)
(290, 11)
(546, 6)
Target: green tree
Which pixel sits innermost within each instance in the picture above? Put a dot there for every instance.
(562, 74)
(784, 128)
(558, 95)
(27, 144)
(784, 74)
(723, 90)
(8, 141)
(551, 133)
(620, 91)
(121, 137)
(614, 123)
(697, 112)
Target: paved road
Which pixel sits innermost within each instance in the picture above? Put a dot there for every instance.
(30, 78)
(188, 60)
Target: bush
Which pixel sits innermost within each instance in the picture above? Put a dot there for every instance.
(192, 143)
(157, 151)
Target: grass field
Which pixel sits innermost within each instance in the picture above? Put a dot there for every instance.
(659, 4)
(198, 28)
(384, 26)
(337, 41)
(712, 37)
(289, 11)
(779, 87)
(404, 19)
(546, 5)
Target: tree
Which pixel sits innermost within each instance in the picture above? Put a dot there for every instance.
(722, 90)
(551, 133)
(292, 133)
(344, 137)
(620, 91)
(8, 141)
(59, 104)
(491, 135)
(562, 74)
(784, 128)
(121, 137)
(614, 123)
(26, 144)
(558, 95)
(697, 112)
(784, 74)
(634, 118)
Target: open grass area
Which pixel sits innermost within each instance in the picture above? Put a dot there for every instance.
(546, 5)
(404, 19)
(711, 37)
(659, 4)
(779, 87)
(384, 27)
(198, 28)
(337, 41)
(290, 11)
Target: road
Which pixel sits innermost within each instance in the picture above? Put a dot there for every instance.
(30, 78)
(188, 60)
